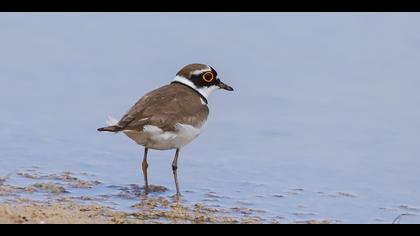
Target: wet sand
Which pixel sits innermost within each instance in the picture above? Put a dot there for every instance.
(24, 211)
(50, 199)
(59, 206)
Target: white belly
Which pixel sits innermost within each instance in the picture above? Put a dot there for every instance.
(155, 138)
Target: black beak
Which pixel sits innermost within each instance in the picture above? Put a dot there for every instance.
(224, 86)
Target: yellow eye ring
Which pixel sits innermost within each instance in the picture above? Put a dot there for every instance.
(208, 78)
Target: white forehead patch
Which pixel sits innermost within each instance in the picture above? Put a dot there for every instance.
(197, 72)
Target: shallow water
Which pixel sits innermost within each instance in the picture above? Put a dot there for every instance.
(323, 123)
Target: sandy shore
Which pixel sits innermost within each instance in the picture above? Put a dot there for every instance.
(25, 211)
(59, 206)
(48, 199)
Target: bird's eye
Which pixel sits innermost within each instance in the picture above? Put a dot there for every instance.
(208, 77)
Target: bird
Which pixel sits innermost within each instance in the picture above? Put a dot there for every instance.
(170, 117)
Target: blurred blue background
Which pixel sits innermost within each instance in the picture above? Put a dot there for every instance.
(327, 103)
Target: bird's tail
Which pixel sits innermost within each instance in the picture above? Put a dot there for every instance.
(112, 126)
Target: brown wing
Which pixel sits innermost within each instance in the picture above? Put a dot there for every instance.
(164, 108)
